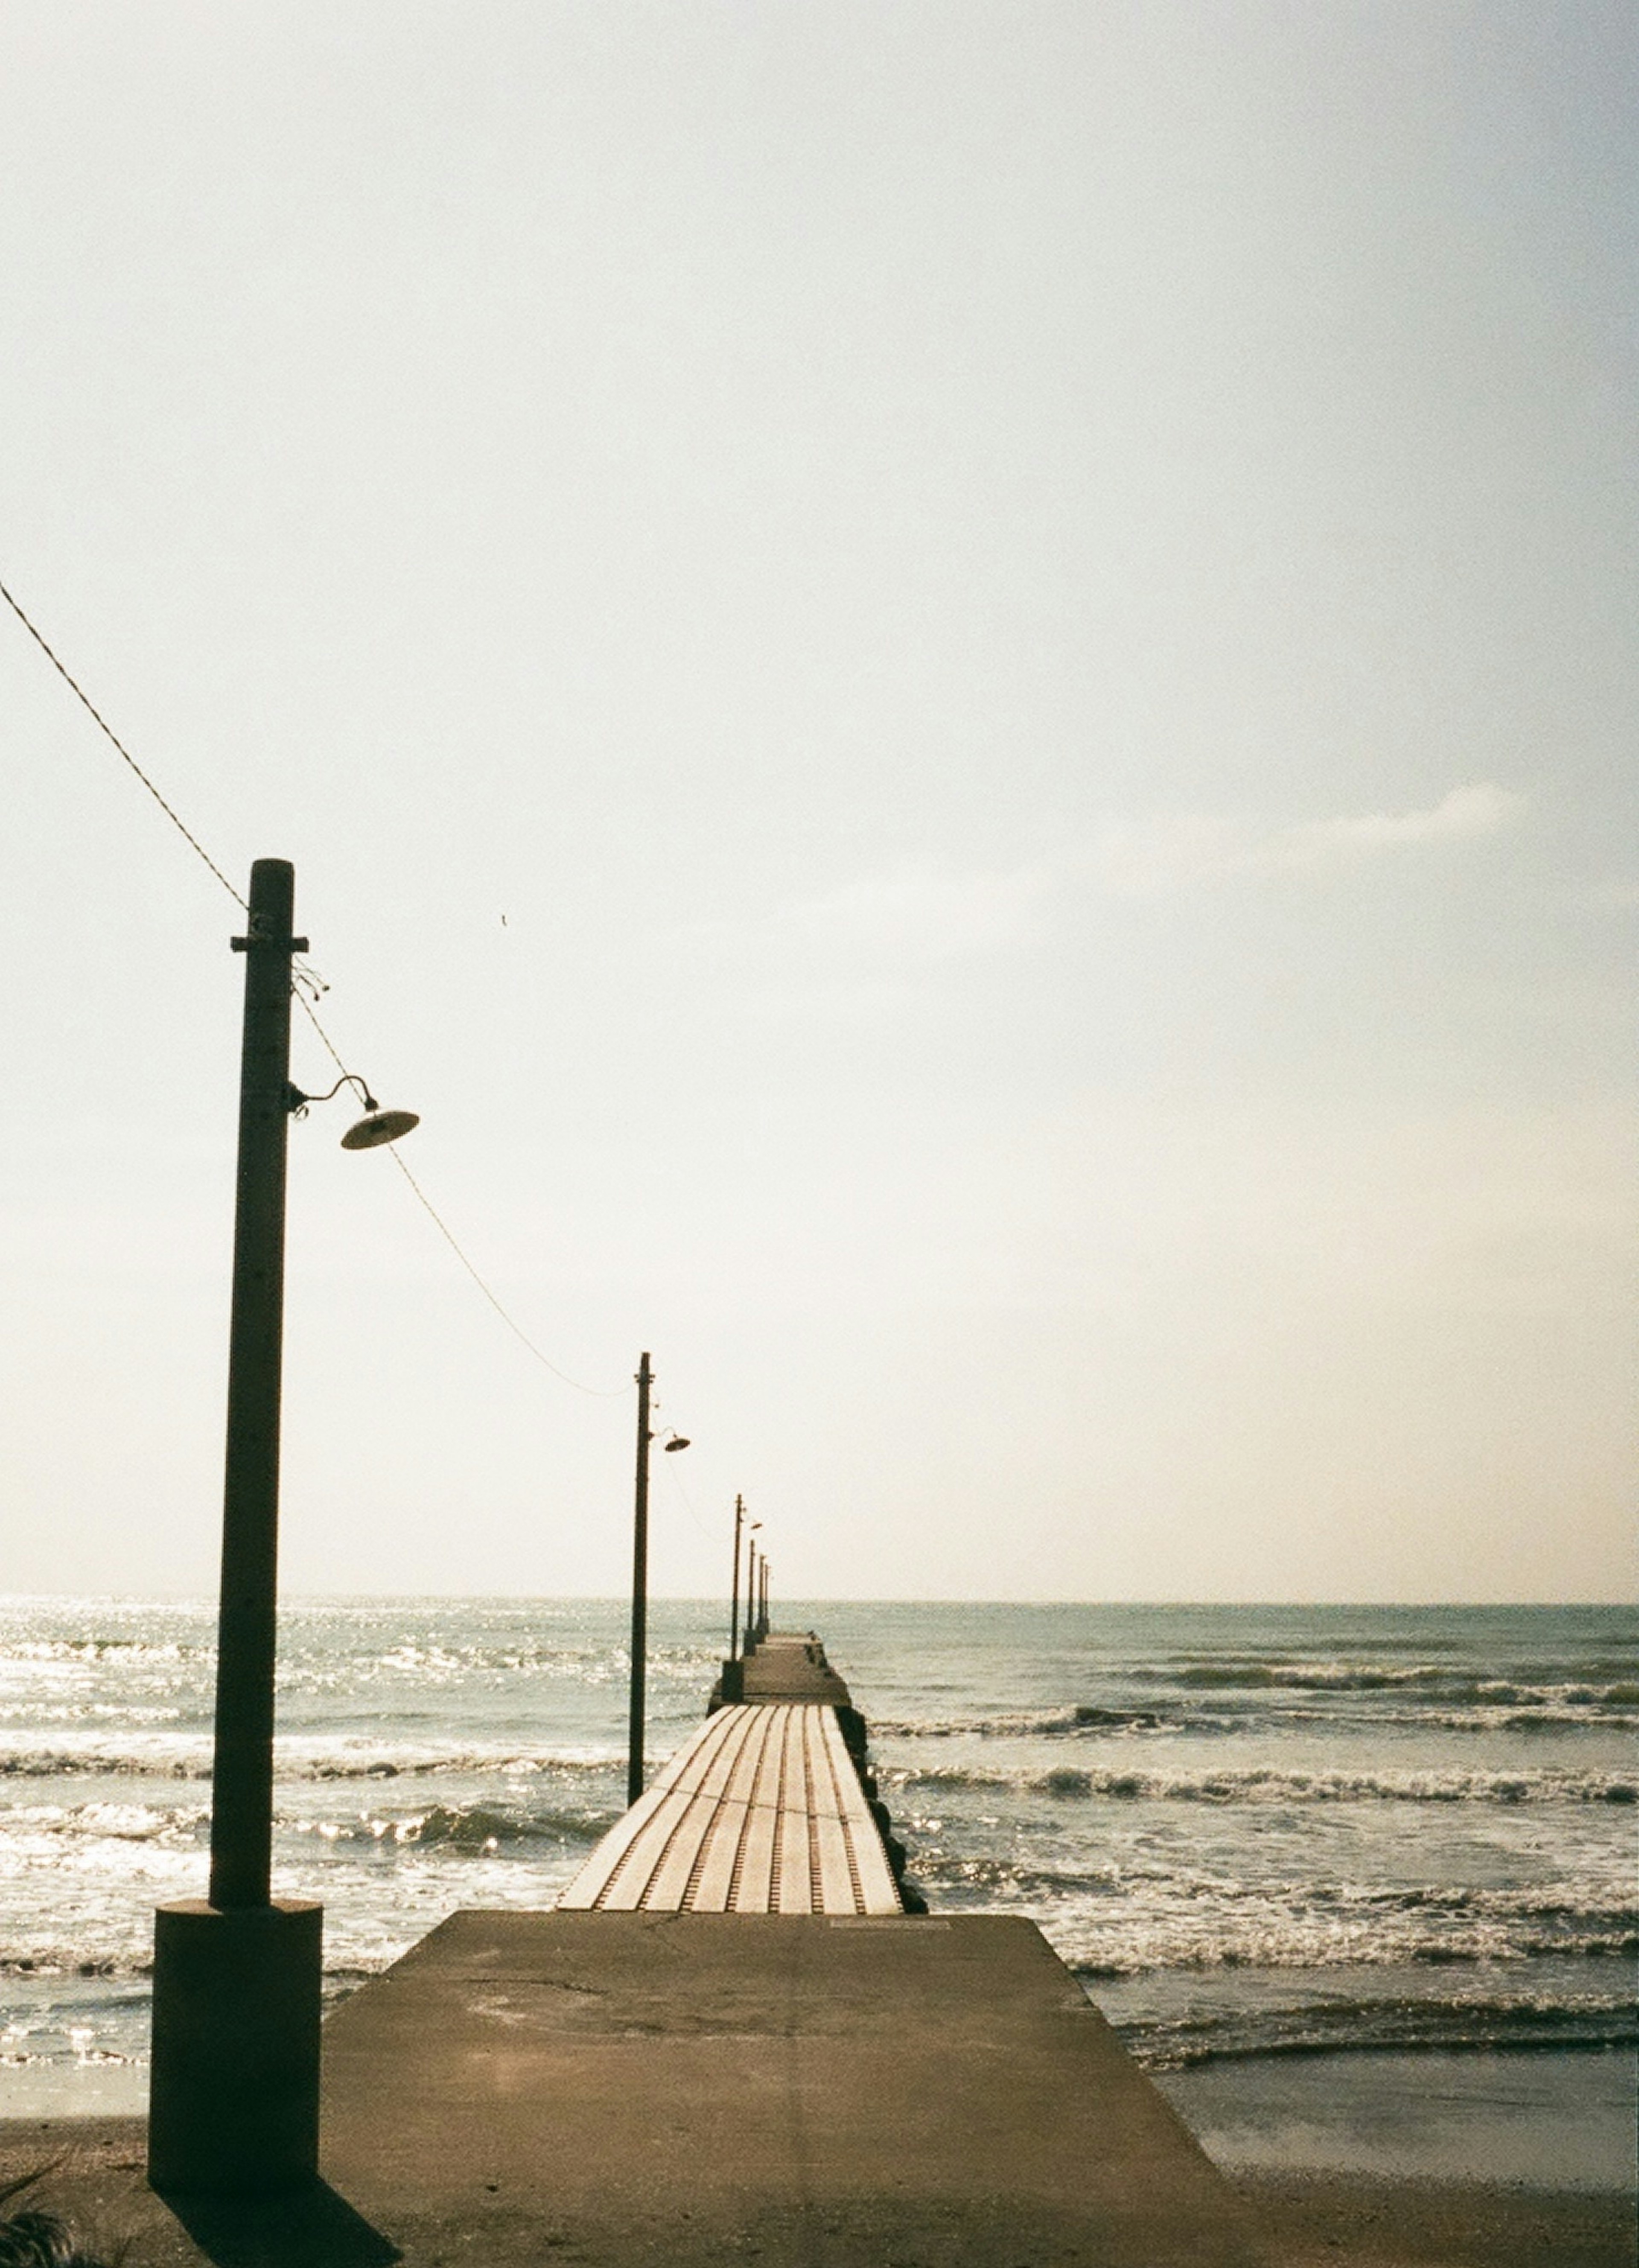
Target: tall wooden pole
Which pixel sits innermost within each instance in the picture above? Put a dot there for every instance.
(234, 2077)
(241, 1788)
(733, 1612)
(639, 1588)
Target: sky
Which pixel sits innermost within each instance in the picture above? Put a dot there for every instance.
(953, 688)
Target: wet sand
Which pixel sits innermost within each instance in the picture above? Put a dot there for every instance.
(1312, 2218)
(1541, 2120)
(1345, 2221)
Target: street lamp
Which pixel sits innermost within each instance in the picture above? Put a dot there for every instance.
(234, 2085)
(753, 1527)
(733, 1594)
(367, 1133)
(752, 1558)
(640, 1582)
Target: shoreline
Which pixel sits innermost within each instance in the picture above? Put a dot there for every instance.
(97, 2182)
(1560, 2118)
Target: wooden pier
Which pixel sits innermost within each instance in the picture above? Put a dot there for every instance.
(762, 1812)
(791, 1666)
(732, 2041)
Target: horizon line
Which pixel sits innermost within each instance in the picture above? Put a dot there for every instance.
(838, 1598)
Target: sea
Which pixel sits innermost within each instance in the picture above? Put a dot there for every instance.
(1321, 1867)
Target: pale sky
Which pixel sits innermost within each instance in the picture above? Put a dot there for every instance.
(953, 687)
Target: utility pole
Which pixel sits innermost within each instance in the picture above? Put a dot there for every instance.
(750, 1596)
(234, 2079)
(241, 1787)
(639, 1588)
(734, 1610)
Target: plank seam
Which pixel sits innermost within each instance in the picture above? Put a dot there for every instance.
(723, 1809)
(669, 1785)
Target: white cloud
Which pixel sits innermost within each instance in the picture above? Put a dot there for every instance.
(913, 910)
(917, 911)
(1162, 854)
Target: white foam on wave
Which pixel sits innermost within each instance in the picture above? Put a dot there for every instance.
(187, 1756)
(1264, 1784)
(1134, 1920)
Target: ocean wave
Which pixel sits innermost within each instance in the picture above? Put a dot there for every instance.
(120, 1822)
(178, 1757)
(1266, 1784)
(1127, 1921)
(120, 1650)
(463, 1764)
(1499, 1708)
(50, 1964)
(1406, 2022)
(1439, 1681)
(1019, 1727)
(1585, 1909)
(476, 1828)
(106, 1762)
(43, 1828)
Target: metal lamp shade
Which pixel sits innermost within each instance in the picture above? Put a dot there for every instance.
(379, 1126)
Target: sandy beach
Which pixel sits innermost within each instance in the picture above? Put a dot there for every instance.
(96, 2182)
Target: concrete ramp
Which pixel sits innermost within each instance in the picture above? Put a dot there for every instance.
(804, 2091)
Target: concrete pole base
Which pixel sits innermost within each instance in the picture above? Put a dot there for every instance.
(233, 2089)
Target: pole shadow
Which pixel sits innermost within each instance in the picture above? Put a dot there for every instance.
(309, 2227)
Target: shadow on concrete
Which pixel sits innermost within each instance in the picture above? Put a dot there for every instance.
(307, 2228)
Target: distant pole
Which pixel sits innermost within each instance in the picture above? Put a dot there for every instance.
(750, 1594)
(234, 2082)
(639, 1588)
(762, 1615)
(733, 1612)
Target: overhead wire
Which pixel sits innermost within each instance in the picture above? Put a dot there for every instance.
(601, 1393)
(304, 976)
(109, 733)
(688, 1502)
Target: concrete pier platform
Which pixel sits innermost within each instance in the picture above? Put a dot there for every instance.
(802, 2090)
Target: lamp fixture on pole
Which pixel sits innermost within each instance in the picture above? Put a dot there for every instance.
(376, 1127)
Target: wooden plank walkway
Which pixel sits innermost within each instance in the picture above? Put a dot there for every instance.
(762, 1812)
